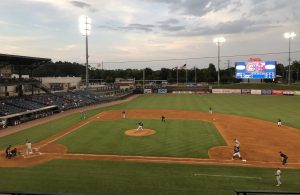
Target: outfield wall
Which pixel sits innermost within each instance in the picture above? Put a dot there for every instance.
(255, 92)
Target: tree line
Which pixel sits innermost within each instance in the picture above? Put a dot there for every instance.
(209, 74)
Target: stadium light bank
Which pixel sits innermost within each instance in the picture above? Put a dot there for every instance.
(85, 26)
(289, 36)
(218, 41)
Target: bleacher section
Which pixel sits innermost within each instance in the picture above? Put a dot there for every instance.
(14, 111)
(6, 109)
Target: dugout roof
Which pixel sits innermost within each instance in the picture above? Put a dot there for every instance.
(7, 59)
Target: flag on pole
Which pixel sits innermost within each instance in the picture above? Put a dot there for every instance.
(183, 67)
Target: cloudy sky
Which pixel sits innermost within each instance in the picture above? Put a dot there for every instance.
(142, 30)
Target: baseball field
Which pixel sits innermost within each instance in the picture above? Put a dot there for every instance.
(190, 153)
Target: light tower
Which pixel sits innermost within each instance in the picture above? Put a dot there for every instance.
(289, 36)
(85, 29)
(218, 41)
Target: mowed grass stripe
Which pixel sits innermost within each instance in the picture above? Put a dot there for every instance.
(175, 138)
(111, 177)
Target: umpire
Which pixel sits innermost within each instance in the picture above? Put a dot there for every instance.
(283, 157)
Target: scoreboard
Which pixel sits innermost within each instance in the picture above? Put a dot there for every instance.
(255, 70)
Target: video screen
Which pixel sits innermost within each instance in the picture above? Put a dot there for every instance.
(255, 70)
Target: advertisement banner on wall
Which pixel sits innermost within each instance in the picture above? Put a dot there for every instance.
(296, 92)
(232, 91)
(226, 91)
(246, 91)
(277, 92)
(288, 92)
(162, 91)
(266, 92)
(217, 91)
(255, 91)
(147, 90)
(200, 92)
(182, 92)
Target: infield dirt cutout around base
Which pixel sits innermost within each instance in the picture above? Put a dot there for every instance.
(139, 133)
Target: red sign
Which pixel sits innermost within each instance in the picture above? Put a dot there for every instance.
(255, 60)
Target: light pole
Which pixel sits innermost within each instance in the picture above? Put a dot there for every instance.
(289, 36)
(218, 41)
(85, 29)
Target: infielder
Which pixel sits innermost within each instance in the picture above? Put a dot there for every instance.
(279, 123)
(278, 176)
(236, 152)
(163, 119)
(236, 142)
(124, 114)
(210, 110)
(140, 126)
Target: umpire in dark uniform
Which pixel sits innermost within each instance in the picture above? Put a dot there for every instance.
(283, 157)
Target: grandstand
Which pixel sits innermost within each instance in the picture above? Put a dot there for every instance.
(19, 108)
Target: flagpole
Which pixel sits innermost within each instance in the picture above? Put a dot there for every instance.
(185, 75)
(195, 75)
(177, 75)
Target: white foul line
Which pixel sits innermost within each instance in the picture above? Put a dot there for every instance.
(230, 176)
(59, 137)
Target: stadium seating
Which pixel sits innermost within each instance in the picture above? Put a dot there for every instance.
(36, 106)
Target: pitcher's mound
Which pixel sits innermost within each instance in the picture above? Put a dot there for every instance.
(145, 132)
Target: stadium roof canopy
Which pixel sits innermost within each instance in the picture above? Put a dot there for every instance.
(7, 59)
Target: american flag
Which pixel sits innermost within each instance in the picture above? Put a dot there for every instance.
(183, 67)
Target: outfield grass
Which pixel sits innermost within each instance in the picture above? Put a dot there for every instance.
(109, 177)
(269, 108)
(175, 138)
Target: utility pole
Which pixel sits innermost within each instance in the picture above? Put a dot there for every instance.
(144, 79)
(228, 64)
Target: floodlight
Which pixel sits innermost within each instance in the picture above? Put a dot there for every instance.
(289, 35)
(85, 25)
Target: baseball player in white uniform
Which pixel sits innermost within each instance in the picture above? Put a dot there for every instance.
(279, 123)
(210, 110)
(28, 147)
(237, 142)
(278, 176)
(140, 126)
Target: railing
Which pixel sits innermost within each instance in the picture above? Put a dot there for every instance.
(246, 192)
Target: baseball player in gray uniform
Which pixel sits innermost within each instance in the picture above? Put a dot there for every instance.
(278, 176)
